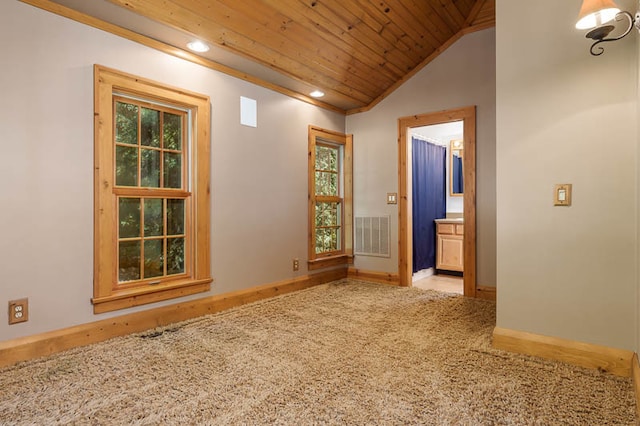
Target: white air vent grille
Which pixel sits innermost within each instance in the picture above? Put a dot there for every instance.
(372, 236)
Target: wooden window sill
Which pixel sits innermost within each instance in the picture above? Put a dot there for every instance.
(325, 262)
(148, 294)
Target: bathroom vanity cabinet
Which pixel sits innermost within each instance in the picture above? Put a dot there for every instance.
(449, 244)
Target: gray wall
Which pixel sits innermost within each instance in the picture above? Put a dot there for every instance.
(564, 116)
(259, 175)
(463, 75)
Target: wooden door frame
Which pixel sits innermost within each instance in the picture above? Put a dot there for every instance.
(405, 238)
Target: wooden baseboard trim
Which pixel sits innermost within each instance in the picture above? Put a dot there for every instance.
(612, 360)
(635, 374)
(25, 348)
(378, 277)
(486, 293)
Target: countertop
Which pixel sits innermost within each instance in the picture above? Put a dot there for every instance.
(454, 220)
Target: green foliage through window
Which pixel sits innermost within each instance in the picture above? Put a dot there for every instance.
(126, 123)
(327, 227)
(150, 123)
(327, 195)
(150, 230)
(149, 145)
(149, 151)
(327, 172)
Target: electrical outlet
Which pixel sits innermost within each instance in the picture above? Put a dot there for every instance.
(18, 311)
(296, 264)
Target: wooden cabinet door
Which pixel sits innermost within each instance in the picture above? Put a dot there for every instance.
(449, 249)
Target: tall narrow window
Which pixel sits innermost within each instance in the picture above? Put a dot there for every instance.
(330, 199)
(150, 141)
(150, 145)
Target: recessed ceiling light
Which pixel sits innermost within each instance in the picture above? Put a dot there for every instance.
(316, 94)
(198, 46)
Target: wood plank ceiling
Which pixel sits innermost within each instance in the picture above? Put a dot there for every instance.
(355, 51)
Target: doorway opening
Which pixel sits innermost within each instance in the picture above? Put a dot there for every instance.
(436, 184)
(466, 229)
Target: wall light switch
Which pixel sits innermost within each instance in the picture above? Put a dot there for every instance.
(392, 198)
(562, 194)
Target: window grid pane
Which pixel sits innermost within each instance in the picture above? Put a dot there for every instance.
(172, 170)
(326, 183)
(150, 128)
(175, 216)
(126, 123)
(128, 261)
(151, 238)
(153, 217)
(150, 168)
(126, 166)
(327, 240)
(129, 217)
(154, 258)
(172, 132)
(327, 158)
(175, 256)
(328, 227)
(149, 146)
(149, 151)
(327, 171)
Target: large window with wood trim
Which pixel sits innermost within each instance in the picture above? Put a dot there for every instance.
(151, 192)
(330, 198)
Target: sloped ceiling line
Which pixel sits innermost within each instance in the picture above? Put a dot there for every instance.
(355, 51)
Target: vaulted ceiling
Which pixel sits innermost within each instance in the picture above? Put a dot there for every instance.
(355, 51)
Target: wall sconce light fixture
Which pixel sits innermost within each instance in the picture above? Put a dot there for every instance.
(598, 16)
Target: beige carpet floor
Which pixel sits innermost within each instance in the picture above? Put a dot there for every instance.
(347, 352)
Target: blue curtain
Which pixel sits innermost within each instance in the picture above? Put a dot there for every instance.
(429, 200)
(458, 186)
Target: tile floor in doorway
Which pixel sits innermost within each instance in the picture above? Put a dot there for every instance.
(446, 283)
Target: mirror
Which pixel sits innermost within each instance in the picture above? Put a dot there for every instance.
(456, 174)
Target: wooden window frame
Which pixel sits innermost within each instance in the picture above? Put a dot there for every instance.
(107, 294)
(344, 256)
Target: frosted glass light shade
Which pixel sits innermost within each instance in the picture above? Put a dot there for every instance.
(594, 13)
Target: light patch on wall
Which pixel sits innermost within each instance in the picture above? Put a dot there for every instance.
(248, 112)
